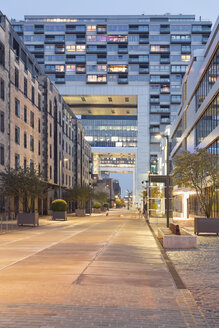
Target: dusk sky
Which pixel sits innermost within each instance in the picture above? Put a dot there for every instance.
(17, 9)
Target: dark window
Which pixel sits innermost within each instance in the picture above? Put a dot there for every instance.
(16, 79)
(50, 130)
(25, 140)
(39, 101)
(31, 143)
(17, 135)
(50, 172)
(17, 161)
(32, 119)
(39, 148)
(31, 164)
(50, 151)
(25, 113)
(2, 89)
(39, 125)
(50, 107)
(25, 164)
(2, 54)
(17, 107)
(2, 121)
(25, 86)
(2, 154)
(33, 96)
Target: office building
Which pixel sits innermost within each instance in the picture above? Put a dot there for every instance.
(122, 75)
(197, 123)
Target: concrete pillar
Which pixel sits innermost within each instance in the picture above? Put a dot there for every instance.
(143, 146)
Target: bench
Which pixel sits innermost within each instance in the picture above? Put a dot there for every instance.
(174, 228)
(183, 241)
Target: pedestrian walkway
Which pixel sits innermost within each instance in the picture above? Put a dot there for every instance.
(90, 272)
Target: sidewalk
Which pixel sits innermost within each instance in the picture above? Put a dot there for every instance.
(199, 270)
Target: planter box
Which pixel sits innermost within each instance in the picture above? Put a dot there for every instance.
(59, 215)
(80, 212)
(183, 241)
(96, 210)
(28, 218)
(206, 225)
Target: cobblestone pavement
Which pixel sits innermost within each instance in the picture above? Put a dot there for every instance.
(90, 272)
(199, 270)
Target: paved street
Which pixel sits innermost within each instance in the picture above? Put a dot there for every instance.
(99, 271)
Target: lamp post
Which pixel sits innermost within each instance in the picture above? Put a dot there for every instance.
(168, 179)
(166, 136)
(60, 174)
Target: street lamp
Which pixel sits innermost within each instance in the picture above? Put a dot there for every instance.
(60, 174)
(166, 136)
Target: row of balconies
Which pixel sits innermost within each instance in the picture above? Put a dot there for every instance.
(102, 29)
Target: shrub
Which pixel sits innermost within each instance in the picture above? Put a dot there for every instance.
(106, 205)
(59, 205)
(154, 206)
(96, 205)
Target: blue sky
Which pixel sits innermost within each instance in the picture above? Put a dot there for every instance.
(17, 9)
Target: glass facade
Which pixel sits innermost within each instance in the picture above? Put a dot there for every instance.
(208, 80)
(110, 131)
(208, 122)
(117, 161)
(124, 50)
(214, 147)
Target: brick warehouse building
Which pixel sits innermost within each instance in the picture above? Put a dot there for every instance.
(37, 127)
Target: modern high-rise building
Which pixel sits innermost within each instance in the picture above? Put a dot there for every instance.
(197, 123)
(121, 74)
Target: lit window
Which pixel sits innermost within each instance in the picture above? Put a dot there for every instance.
(70, 68)
(60, 68)
(91, 28)
(96, 78)
(117, 68)
(185, 57)
(91, 38)
(117, 38)
(70, 48)
(80, 47)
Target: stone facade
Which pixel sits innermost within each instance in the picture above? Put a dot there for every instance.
(37, 127)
